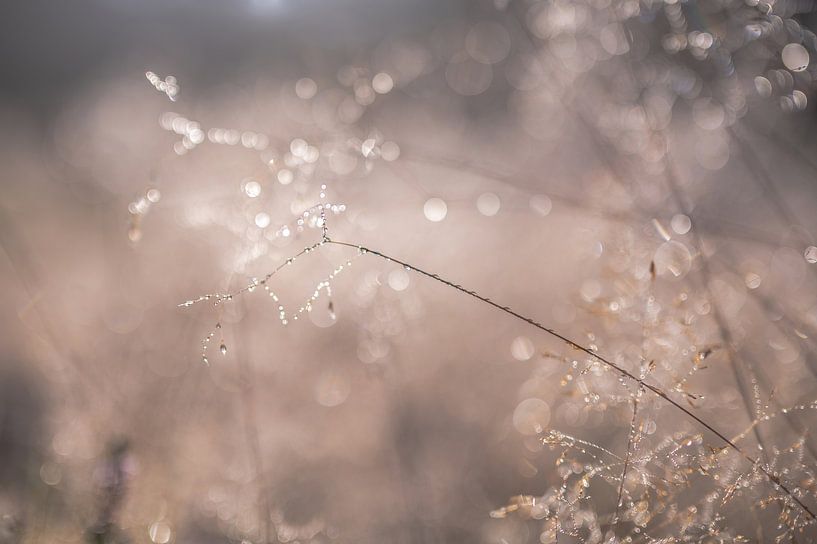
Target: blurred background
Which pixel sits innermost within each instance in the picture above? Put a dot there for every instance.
(638, 176)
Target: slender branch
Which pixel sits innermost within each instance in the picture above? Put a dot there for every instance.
(607, 362)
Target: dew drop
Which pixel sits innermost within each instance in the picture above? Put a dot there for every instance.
(435, 209)
(541, 204)
(398, 279)
(752, 280)
(763, 87)
(795, 57)
(262, 220)
(681, 224)
(390, 151)
(382, 83)
(160, 532)
(488, 204)
(223, 349)
(305, 88)
(672, 259)
(810, 254)
(522, 348)
(134, 234)
(285, 176)
(531, 416)
(252, 188)
(50, 473)
(799, 99)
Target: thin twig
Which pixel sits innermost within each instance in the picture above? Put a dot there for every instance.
(621, 371)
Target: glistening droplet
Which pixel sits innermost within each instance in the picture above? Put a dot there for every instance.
(810, 254)
(795, 57)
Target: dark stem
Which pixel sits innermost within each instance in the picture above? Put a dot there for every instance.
(621, 371)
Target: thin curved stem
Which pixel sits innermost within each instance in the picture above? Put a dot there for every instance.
(607, 362)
